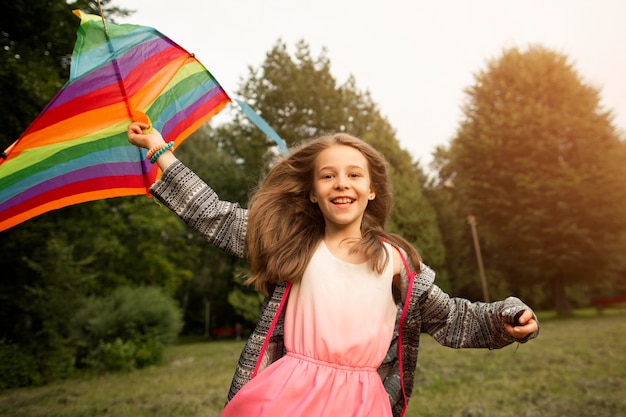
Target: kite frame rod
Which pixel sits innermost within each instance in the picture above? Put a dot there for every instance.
(104, 23)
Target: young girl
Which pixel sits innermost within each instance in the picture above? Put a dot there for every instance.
(346, 301)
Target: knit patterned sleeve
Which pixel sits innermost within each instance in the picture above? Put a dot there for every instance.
(459, 323)
(220, 222)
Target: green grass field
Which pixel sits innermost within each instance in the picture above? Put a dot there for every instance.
(576, 368)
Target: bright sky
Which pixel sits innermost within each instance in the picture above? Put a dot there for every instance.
(415, 57)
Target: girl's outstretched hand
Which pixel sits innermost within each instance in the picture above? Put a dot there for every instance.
(525, 325)
(138, 138)
(152, 139)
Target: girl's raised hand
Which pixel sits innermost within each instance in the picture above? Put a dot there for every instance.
(138, 138)
(525, 325)
(150, 140)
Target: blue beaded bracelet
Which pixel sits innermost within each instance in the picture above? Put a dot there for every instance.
(160, 152)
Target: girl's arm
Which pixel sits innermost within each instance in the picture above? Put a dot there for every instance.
(459, 323)
(220, 222)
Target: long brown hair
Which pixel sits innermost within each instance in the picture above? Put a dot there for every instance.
(285, 227)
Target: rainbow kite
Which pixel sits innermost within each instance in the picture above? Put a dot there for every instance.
(77, 149)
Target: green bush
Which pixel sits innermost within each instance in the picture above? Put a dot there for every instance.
(22, 366)
(17, 367)
(118, 355)
(126, 330)
(57, 362)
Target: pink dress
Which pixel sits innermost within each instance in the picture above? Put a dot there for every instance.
(338, 326)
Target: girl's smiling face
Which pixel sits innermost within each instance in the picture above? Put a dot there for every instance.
(342, 188)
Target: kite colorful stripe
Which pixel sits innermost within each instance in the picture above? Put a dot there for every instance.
(77, 149)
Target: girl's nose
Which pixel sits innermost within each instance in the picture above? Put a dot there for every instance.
(341, 182)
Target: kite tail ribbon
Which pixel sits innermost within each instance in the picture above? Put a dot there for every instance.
(263, 126)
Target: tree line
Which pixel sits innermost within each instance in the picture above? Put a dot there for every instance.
(536, 161)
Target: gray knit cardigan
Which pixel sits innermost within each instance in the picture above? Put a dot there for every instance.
(422, 306)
